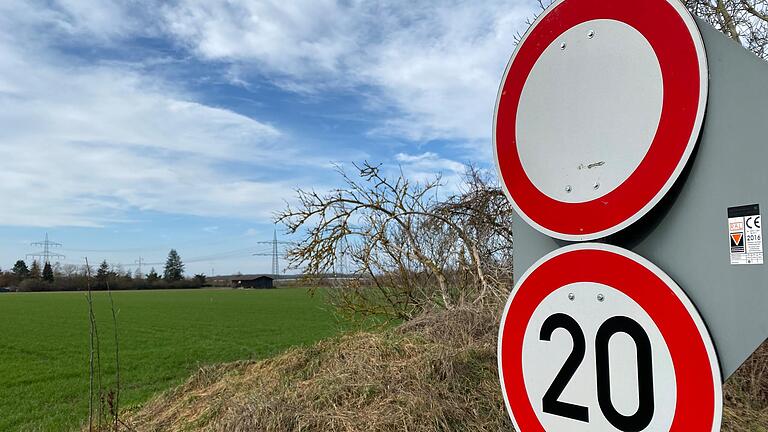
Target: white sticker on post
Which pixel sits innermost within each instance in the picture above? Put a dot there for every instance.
(745, 235)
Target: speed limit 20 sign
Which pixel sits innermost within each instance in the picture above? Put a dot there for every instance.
(596, 338)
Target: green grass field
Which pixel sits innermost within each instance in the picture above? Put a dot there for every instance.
(163, 336)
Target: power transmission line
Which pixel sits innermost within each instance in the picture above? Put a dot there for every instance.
(242, 252)
(271, 248)
(156, 247)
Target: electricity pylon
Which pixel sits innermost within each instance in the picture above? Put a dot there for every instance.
(46, 254)
(275, 254)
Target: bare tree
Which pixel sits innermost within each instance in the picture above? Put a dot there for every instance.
(483, 214)
(404, 250)
(745, 21)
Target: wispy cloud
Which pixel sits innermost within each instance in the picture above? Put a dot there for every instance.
(436, 64)
(427, 166)
(83, 144)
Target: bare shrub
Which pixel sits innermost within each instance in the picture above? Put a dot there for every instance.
(402, 249)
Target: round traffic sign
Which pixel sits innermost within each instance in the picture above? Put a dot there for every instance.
(597, 338)
(599, 110)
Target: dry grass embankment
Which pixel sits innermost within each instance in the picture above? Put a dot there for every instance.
(746, 395)
(437, 373)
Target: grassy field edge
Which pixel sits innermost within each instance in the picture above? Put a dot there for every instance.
(435, 373)
(164, 336)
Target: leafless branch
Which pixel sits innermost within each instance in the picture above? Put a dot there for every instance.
(407, 250)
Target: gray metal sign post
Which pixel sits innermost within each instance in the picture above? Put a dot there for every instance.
(631, 141)
(687, 234)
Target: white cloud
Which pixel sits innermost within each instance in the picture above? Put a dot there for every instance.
(424, 167)
(85, 145)
(437, 63)
(286, 36)
(103, 18)
(252, 232)
(444, 74)
(430, 161)
(100, 21)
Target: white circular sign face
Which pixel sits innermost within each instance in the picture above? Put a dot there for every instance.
(543, 361)
(577, 135)
(600, 339)
(599, 111)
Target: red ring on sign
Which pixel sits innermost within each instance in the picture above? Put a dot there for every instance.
(672, 41)
(695, 409)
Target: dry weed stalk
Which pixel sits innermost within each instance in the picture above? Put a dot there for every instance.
(113, 399)
(91, 328)
(108, 399)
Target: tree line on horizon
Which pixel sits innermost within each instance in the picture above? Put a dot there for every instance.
(69, 277)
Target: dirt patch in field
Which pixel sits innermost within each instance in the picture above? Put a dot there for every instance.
(437, 373)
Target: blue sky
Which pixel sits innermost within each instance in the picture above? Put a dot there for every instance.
(131, 127)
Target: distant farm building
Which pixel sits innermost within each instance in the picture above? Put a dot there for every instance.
(255, 281)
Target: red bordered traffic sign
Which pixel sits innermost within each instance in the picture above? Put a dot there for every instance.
(599, 110)
(597, 338)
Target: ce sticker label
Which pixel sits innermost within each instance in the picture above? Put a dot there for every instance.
(752, 222)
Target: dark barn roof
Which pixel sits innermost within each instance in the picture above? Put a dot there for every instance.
(253, 281)
(251, 277)
(242, 277)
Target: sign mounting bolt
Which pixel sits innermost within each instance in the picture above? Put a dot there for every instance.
(600, 297)
(571, 297)
(562, 45)
(591, 34)
(568, 188)
(596, 186)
